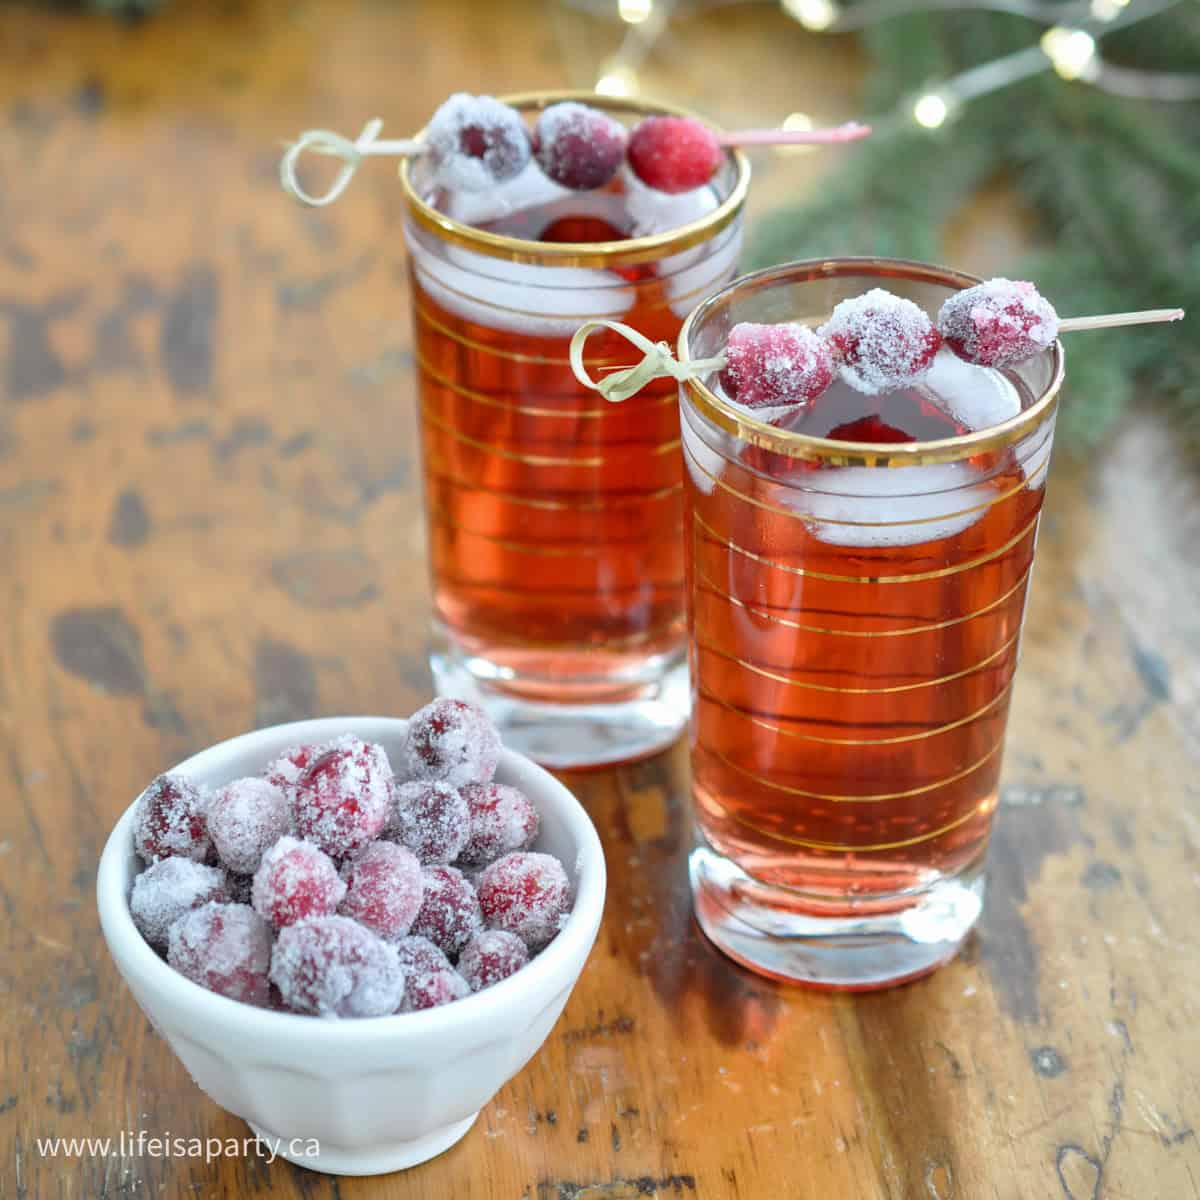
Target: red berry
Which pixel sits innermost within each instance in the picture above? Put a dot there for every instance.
(502, 820)
(343, 798)
(476, 142)
(169, 820)
(429, 979)
(246, 817)
(431, 818)
(450, 913)
(384, 887)
(771, 365)
(286, 770)
(163, 892)
(871, 428)
(490, 957)
(578, 146)
(882, 342)
(526, 894)
(453, 741)
(225, 948)
(335, 967)
(999, 323)
(674, 154)
(295, 880)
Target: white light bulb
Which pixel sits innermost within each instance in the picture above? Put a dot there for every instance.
(1070, 51)
(617, 81)
(1107, 10)
(931, 111)
(812, 14)
(634, 12)
(796, 122)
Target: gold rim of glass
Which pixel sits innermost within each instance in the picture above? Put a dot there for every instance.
(627, 251)
(741, 425)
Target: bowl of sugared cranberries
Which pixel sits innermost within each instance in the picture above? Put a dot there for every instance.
(353, 932)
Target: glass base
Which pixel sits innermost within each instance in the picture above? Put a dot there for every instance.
(597, 720)
(762, 927)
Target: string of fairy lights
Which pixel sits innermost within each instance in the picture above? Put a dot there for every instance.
(1070, 45)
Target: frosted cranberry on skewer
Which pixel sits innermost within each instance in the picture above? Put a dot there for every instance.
(881, 342)
(578, 146)
(476, 142)
(998, 323)
(771, 365)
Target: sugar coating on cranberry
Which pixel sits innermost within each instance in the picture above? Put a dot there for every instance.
(245, 818)
(527, 894)
(295, 880)
(999, 323)
(491, 956)
(502, 820)
(163, 892)
(384, 887)
(343, 798)
(225, 948)
(170, 820)
(450, 915)
(578, 146)
(476, 142)
(674, 154)
(454, 741)
(881, 342)
(335, 967)
(429, 978)
(285, 771)
(432, 819)
(772, 365)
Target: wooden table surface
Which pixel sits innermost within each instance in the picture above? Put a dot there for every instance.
(210, 520)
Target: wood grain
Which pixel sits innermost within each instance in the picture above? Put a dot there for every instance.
(209, 520)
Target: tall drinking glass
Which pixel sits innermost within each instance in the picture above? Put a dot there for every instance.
(855, 613)
(554, 517)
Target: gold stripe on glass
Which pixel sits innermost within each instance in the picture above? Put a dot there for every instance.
(916, 577)
(885, 741)
(862, 633)
(841, 691)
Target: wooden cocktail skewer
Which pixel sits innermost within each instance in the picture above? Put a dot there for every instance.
(1149, 316)
(368, 144)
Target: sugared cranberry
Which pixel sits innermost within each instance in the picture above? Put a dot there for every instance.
(476, 142)
(225, 948)
(578, 146)
(431, 818)
(335, 967)
(771, 365)
(170, 820)
(343, 798)
(285, 771)
(450, 913)
(453, 741)
(527, 894)
(384, 886)
(881, 342)
(429, 978)
(999, 323)
(295, 880)
(674, 154)
(246, 817)
(490, 957)
(163, 892)
(502, 820)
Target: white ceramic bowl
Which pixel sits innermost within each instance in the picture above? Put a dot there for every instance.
(381, 1093)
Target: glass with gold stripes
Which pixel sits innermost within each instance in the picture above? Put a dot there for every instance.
(855, 615)
(554, 517)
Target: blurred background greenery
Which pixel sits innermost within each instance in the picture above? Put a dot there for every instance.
(1086, 112)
